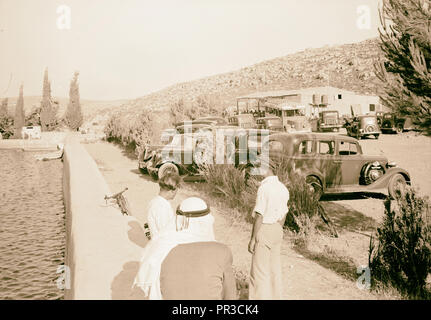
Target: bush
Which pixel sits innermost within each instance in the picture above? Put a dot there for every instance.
(133, 131)
(228, 182)
(402, 255)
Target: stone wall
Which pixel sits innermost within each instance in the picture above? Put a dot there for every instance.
(98, 248)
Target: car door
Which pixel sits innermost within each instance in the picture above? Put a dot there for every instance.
(325, 156)
(350, 162)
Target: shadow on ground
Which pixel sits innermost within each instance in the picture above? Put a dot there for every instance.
(348, 219)
(121, 287)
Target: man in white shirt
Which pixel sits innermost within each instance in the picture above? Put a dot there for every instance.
(161, 216)
(265, 243)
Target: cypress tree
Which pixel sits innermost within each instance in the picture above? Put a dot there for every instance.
(74, 117)
(48, 110)
(19, 114)
(3, 108)
(406, 69)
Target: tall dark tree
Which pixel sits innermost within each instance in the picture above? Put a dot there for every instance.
(6, 121)
(73, 115)
(406, 69)
(19, 114)
(48, 110)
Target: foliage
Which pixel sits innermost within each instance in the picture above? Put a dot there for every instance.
(133, 131)
(19, 119)
(400, 256)
(74, 117)
(6, 121)
(49, 108)
(228, 182)
(33, 119)
(406, 69)
(201, 106)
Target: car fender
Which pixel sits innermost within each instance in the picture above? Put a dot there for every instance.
(309, 172)
(383, 182)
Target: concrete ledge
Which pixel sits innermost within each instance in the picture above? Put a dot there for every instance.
(97, 243)
(48, 142)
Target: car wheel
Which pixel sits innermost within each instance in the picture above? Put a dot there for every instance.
(377, 136)
(397, 186)
(315, 186)
(400, 128)
(166, 167)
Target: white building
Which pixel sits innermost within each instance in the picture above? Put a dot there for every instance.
(315, 99)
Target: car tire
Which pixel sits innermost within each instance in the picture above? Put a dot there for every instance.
(400, 128)
(315, 186)
(396, 186)
(166, 167)
(377, 136)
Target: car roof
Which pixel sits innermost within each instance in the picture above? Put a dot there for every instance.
(269, 117)
(312, 135)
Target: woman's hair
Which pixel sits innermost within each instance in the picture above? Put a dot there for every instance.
(170, 180)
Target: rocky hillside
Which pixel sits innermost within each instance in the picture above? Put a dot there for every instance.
(348, 66)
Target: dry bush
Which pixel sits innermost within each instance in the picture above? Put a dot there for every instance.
(228, 182)
(400, 256)
(133, 131)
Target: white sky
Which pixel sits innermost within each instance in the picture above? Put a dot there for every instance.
(128, 48)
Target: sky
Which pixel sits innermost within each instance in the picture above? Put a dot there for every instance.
(125, 49)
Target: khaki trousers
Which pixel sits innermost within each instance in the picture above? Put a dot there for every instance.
(265, 274)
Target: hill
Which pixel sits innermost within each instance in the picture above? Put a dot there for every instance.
(348, 66)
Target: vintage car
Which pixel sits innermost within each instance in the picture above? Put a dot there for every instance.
(292, 116)
(329, 120)
(363, 126)
(271, 123)
(380, 116)
(187, 152)
(218, 120)
(393, 123)
(243, 120)
(335, 164)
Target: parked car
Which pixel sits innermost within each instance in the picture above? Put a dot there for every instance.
(380, 116)
(329, 120)
(292, 116)
(271, 123)
(219, 121)
(393, 123)
(186, 152)
(244, 120)
(334, 164)
(363, 126)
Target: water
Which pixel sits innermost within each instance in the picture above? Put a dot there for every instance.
(32, 226)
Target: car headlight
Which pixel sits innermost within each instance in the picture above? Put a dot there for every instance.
(391, 164)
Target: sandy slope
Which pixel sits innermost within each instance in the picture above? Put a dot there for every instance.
(303, 279)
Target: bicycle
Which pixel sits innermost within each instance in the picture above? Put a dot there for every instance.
(121, 201)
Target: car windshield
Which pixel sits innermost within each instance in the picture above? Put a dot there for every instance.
(293, 113)
(369, 120)
(330, 114)
(274, 122)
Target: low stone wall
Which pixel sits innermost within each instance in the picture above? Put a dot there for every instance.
(98, 247)
(48, 142)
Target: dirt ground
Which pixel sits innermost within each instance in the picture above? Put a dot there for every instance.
(303, 278)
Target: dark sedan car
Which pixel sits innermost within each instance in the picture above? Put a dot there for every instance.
(335, 164)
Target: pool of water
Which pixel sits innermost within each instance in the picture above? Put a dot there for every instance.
(32, 226)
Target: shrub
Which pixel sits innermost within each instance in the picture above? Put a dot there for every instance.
(133, 131)
(402, 255)
(228, 182)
